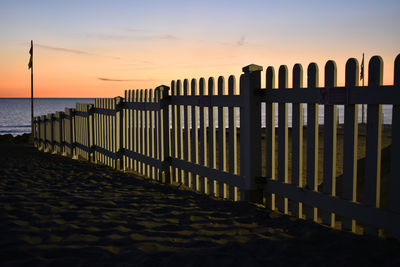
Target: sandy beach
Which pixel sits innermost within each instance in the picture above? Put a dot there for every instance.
(58, 211)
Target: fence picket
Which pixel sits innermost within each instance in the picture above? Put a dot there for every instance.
(222, 187)
(195, 136)
(179, 143)
(330, 142)
(211, 138)
(270, 138)
(394, 198)
(312, 139)
(297, 139)
(373, 145)
(203, 136)
(146, 132)
(283, 204)
(186, 133)
(233, 160)
(174, 133)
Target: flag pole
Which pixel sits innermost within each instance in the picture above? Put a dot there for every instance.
(32, 86)
(362, 78)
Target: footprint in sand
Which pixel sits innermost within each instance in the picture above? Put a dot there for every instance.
(21, 223)
(112, 249)
(55, 238)
(82, 238)
(32, 240)
(59, 221)
(123, 229)
(116, 237)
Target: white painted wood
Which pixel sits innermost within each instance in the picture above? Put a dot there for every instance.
(270, 136)
(282, 203)
(374, 146)
(222, 189)
(330, 142)
(297, 139)
(233, 153)
(312, 140)
(394, 197)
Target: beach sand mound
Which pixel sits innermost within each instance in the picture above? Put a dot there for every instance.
(54, 210)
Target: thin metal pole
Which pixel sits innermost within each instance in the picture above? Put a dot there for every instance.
(362, 106)
(32, 88)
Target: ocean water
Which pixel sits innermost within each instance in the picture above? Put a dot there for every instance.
(15, 113)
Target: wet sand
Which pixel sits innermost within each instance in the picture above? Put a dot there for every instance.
(57, 211)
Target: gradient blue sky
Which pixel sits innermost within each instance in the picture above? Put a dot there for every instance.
(99, 48)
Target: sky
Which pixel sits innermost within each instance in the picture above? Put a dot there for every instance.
(101, 48)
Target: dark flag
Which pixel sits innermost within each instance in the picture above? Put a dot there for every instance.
(362, 69)
(30, 59)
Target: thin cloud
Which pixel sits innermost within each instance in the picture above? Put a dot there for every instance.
(143, 37)
(242, 41)
(73, 51)
(166, 37)
(124, 80)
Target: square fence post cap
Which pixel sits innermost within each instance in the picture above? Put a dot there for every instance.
(251, 68)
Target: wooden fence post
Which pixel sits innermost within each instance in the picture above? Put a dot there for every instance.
(250, 133)
(90, 127)
(51, 118)
(60, 116)
(163, 134)
(119, 133)
(43, 119)
(71, 131)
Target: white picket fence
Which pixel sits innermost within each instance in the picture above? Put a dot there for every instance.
(187, 134)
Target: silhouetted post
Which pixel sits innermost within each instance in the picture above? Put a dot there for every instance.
(350, 144)
(119, 135)
(395, 168)
(374, 142)
(163, 134)
(30, 65)
(250, 134)
(362, 78)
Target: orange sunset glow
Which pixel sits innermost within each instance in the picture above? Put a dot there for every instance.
(100, 48)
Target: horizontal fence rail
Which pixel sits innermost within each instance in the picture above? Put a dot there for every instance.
(341, 175)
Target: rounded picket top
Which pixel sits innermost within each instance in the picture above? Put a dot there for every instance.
(173, 88)
(163, 91)
(137, 99)
(178, 87)
(241, 82)
(156, 94)
(193, 87)
(231, 85)
(211, 87)
(352, 72)
(150, 95)
(330, 73)
(185, 86)
(312, 75)
(146, 95)
(221, 85)
(283, 74)
(270, 77)
(297, 75)
(141, 95)
(397, 70)
(202, 83)
(375, 71)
